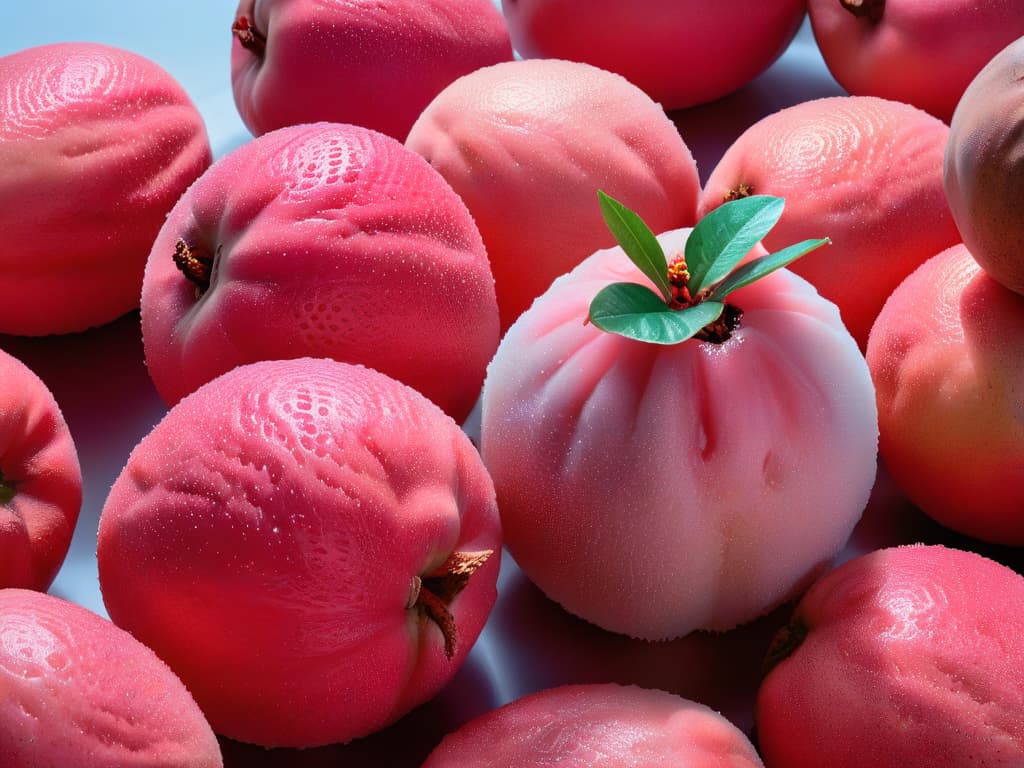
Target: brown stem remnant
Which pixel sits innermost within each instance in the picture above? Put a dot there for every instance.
(783, 645)
(872, 10)
(196, 267)
(433, 594)
(248, 35)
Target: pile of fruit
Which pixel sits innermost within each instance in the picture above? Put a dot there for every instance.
(463, 308)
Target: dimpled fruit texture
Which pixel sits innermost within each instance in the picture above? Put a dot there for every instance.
(96, 145)
(266, 539)
(913, 656)
(341, 243)
(865, 172)
(40, 480)
(598, 726)
(654, 490)
(527, 144)
(375, 63)
(79, 693)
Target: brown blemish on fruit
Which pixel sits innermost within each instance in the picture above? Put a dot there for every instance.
(433, 594)
(195, 266)
(248, 35)
(740, 190)
(872, 10)
(784, 644)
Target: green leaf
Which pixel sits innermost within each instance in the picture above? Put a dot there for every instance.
(638, 242)
(636, 312)
(758, 268)
(724, 236)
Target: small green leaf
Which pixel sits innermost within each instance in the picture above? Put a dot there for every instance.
(636, 312)
(638, 242)
(723, 237)
(758, 268)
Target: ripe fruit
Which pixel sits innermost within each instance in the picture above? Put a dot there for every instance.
(526, 143)
(374, 63)
(40, 480)
(96, 144)
(984, 170)
(920, 53)
(342, 244)
(945, 358)
(680, 53)
(312, 546)
(910, 656)
(866, 171)
(78, 692)
(577, 726)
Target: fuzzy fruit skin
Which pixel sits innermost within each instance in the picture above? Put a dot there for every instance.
(945, 358)
(921, 52)
(984, 169)
(597, 726)
(38, 458)
(681, 53)
(527, 144)
(654, 490)
(369, 62)
(81, 693)
(263, 540)
(96, 145)
(913, 657)
(342, 244)
(862, 171)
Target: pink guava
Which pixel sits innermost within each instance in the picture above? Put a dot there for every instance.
(597, 726)
(96, 145)
(920, 52)
(312, 546)
(984, 170)
(654, 490)
(945, 355)
(80, 693)
(680, 52)
(527, 143)
(911, 656)
(340, 243)
(865, 171)
(40, 480)
(375, 63)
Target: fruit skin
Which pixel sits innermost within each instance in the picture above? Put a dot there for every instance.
(80, 693)
(369, 62)
(599, 726)
(341, 243)
(40, 480)
(655, 490)
(527, 144)
(912, 657)
(921, 52)
(867, 173)
(96, 144)
(984, 167)
(264, 538)
(945, 358)
(681, 53)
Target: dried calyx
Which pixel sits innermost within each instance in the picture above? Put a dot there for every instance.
(196, 266)
(433, 593)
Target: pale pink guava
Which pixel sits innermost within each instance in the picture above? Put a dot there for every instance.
(920, 52)
(910, 656)
(984, 166)
(40, 480)
(654, 490)
(96, 146)
(598, 726)
(375, 63)
(865, 171)
(321, 240)
(945, 355)
(680, 52)
(312, 546)
(80, 693)
(527, 143)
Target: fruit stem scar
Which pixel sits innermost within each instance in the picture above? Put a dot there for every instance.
(784, 644)
(248, 35)
(7, 489)
(433, 594)
(196, 267)
(737, 192)
(871, 9)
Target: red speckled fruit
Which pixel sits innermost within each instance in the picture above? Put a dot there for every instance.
(77, 692)
(96, 145)
(910, 657)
